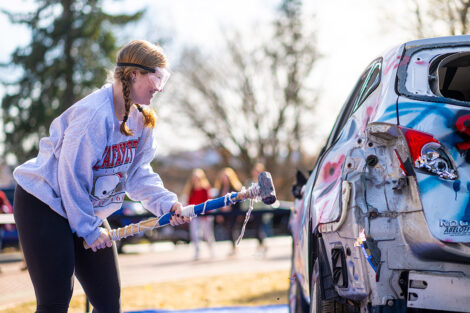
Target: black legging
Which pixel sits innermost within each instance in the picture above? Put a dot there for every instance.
(53, 255)
(232, 223)
(258, 226)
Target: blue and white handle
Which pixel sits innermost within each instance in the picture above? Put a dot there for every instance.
(263, 190)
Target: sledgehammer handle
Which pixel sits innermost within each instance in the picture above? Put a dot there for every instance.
(264, 190)
(155, 222)
(132, 229)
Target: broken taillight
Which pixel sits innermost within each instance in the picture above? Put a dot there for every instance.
(429, 155)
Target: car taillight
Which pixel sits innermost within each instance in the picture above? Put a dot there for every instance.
(429, 155)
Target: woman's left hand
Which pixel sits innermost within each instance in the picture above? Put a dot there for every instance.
(178, 218)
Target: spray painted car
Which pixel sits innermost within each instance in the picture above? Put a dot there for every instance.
(383, 222)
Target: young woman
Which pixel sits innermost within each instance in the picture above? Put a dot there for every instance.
(196, 191)
(260, 221)
(97, 150)
(227, 181)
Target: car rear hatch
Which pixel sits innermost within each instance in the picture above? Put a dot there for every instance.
(434, 106)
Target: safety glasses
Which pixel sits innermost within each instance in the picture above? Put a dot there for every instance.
(158, 75)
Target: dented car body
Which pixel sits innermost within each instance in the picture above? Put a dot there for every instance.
(383, 222)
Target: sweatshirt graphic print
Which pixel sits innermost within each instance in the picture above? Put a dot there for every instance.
(109, 189)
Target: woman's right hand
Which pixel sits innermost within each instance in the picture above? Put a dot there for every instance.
(178, 218)
(103, 241)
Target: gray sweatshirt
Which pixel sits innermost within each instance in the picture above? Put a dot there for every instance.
(85, 166)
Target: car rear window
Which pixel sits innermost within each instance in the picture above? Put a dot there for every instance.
(450, 76)
(438, 74)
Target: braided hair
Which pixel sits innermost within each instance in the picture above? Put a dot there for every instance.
(144, 53)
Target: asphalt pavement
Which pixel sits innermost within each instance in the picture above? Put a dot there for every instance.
(158, 262)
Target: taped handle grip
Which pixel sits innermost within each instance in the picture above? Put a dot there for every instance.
(133, 229)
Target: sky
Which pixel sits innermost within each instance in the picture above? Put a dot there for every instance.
(350, 35)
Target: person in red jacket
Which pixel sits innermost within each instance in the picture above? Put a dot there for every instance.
(197, 191)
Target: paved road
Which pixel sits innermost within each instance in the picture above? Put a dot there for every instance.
(158, 262)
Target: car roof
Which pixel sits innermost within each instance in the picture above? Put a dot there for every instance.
(438, 41)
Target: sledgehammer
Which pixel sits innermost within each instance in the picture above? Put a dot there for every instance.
(263, 190)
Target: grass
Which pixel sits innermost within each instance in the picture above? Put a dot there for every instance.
(241, 289)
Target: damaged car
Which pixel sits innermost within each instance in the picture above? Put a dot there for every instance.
(382, 224)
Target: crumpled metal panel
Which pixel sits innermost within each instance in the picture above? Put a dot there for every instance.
(386, 205)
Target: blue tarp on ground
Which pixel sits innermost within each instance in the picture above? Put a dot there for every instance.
(245, 309)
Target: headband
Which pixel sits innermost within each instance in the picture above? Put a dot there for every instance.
(136, 65)
(159, 76)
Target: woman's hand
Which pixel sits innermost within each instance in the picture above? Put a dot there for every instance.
(177, 218)
(103, 241)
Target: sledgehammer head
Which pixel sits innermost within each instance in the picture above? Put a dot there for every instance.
(266, 188)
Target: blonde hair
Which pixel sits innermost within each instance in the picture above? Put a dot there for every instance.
(232, 177)
(143, 53)
(189, 186)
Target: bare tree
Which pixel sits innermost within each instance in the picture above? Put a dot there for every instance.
(439, 17)
(72, 42)
(253, 101)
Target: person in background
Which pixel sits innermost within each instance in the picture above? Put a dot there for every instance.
(260, 220)
(227, 181)
(196, 191)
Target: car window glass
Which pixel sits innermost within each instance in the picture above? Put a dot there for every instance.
(367, 83)
(370, 81)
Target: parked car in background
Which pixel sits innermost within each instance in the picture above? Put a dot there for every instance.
(130, 212)
(382, 223)
(134, 212)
